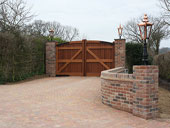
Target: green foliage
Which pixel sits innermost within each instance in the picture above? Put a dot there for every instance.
(133, 55)
(56, 39)
(59, 40)
(20, 56)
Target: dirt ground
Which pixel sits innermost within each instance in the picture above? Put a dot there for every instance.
(164, 100)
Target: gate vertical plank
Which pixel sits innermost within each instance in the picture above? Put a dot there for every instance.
(85, 43)
(57, 59)
(113, 55)
(84, 57)
(83, 60)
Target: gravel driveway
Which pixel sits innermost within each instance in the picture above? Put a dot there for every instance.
(63, 102)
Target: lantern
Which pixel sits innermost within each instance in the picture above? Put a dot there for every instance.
(145, 31)
(120, 29)
(145, 28)
(51, 34)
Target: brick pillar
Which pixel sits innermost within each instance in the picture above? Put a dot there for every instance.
(51, 59)
(120, 52)
(145, 88)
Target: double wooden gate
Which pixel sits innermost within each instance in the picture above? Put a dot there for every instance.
(84, 58)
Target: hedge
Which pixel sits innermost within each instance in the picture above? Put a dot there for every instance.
(133, 55)
(20, 56)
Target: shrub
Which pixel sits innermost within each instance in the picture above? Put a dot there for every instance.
(163, 61)
(56, 39)
(133, 55)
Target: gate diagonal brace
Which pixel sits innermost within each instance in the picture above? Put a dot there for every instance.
(101, 62)
(77, 53)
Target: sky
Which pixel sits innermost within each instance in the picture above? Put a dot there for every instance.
(95, 19)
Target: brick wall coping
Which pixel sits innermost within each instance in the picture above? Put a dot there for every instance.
(146, 67)
(116, 74)
(120, 39)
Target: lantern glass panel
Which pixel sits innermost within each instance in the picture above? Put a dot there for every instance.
(149, 28)
(120, 31)
(51, 33)
(142, 32)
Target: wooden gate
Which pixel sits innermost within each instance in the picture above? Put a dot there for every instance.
(84, 58)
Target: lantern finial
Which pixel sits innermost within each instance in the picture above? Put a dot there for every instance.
(145, 18)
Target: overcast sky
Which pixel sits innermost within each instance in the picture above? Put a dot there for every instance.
(95, 19)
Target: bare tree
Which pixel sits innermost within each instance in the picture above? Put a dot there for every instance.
(71, 33)
(165, 5)
(160, 31)
(131, 31)
(37, 28)
(57, 27)
(41, 28)
(2, 2)
(14, 14)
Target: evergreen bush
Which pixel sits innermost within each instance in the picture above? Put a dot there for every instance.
(133, 55)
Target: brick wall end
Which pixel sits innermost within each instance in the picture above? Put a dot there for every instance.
(146, 91)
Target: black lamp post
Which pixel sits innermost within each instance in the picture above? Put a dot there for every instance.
(145, 28)
(120, 29)
(51, 34)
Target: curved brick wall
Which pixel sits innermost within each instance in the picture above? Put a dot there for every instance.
(136, 93)
(116, 89)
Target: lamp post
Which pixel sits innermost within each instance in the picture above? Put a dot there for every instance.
(120, 29)
(51, 34)
(145, 28)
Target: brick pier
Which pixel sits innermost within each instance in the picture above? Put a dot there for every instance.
(145, 87)
(51, 59)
